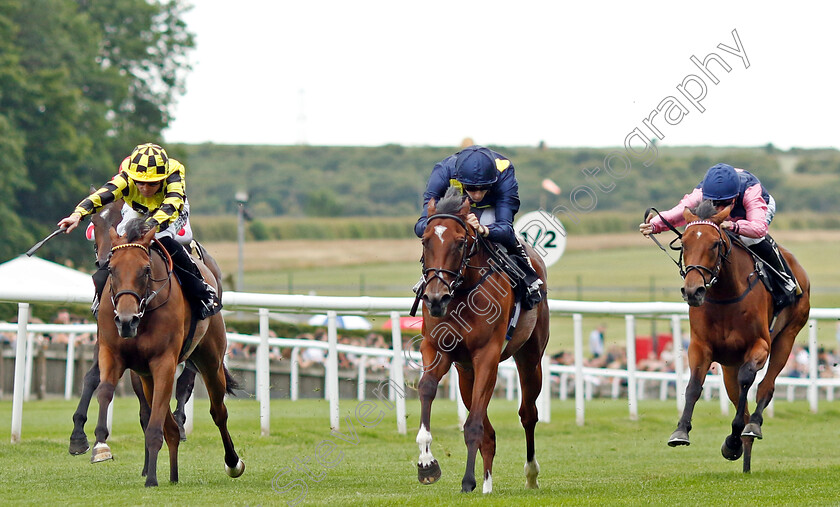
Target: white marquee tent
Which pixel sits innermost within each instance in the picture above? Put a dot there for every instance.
(31, 273)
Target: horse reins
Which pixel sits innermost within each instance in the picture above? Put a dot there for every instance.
(143, 302)
(723, 256)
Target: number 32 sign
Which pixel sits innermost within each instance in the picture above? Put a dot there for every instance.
(544, 232)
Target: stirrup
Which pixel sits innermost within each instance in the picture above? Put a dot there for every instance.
(94, 306)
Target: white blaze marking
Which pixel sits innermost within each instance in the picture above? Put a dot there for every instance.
(439, 230)
(424, 441)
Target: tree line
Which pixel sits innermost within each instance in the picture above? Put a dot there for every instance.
(82, 82)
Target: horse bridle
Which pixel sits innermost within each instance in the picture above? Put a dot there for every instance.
(457, 276)
(149, 295)
(723, 250)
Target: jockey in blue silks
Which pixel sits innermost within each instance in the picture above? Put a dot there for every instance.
(489, 180)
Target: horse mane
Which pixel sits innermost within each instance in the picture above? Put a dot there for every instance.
(705, 210)
(450, 203)
(135, 229)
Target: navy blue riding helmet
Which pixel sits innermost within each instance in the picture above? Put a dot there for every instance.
(476, 167)
(721, 183)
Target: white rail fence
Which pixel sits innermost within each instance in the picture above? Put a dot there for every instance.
(583, 378)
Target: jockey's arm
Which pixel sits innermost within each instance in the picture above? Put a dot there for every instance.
(436, 188)
(673, 215)
(106, 194)
(754, 225)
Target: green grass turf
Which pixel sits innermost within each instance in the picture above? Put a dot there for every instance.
(609, 461)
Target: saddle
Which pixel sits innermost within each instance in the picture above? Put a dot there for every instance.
(521, 273)
(782, 286)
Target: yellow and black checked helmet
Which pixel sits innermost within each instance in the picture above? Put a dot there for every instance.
(148, 162)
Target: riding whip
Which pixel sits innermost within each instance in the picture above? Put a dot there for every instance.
(41, 243)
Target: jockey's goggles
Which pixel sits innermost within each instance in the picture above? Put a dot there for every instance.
(476, 188)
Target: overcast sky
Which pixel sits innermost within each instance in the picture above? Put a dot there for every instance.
(578, 73)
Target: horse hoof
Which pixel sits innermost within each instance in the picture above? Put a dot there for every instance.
(101, 452)
(678, 437)
(428, 474)
(730, 453)
(467, 486)
(79, 446)
(236, 471)
(752, 430)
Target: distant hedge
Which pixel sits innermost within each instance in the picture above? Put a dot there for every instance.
(224, 228)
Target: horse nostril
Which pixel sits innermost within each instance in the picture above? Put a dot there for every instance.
(135, 321)
(445, 299)
(700, 292)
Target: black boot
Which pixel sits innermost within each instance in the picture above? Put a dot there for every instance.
(202, 295)
(783, 282)
(530, 279)
(99, 279)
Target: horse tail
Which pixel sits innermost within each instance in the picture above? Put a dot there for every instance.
(230, 382)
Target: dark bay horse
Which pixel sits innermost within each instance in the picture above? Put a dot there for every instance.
(146, 325)
(730, 315)
(109, 216)
(466, 311)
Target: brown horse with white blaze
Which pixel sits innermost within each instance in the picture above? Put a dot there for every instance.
(146, 325)
(730, 315)
(468, 303)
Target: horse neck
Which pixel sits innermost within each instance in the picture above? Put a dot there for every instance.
(734, 272)
(479, 264)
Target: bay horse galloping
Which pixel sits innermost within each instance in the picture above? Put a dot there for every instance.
(730, 315)
(468, 304)
(109, 216)
(147, 325)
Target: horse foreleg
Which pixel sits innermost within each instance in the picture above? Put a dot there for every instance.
(699, 360)
(110, 372)
(183, 391)
(435, 366)
(530, 379)
(78, 439)
(486, 366)
(160, 385)
(466, 381)
(145, 412)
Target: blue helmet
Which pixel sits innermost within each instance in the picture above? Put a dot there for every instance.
(476, 166)
(721, 182)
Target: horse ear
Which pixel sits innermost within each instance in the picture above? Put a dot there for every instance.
(722, 215)
(432, 207)
(150, 234)
(465, 208)
(689, 216)
(112, 232)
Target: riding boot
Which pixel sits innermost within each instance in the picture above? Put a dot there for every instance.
(530, 279)
(99, 279)
(767, 251)
(203, 296)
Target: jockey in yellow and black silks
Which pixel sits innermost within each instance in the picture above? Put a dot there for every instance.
(152, 185)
